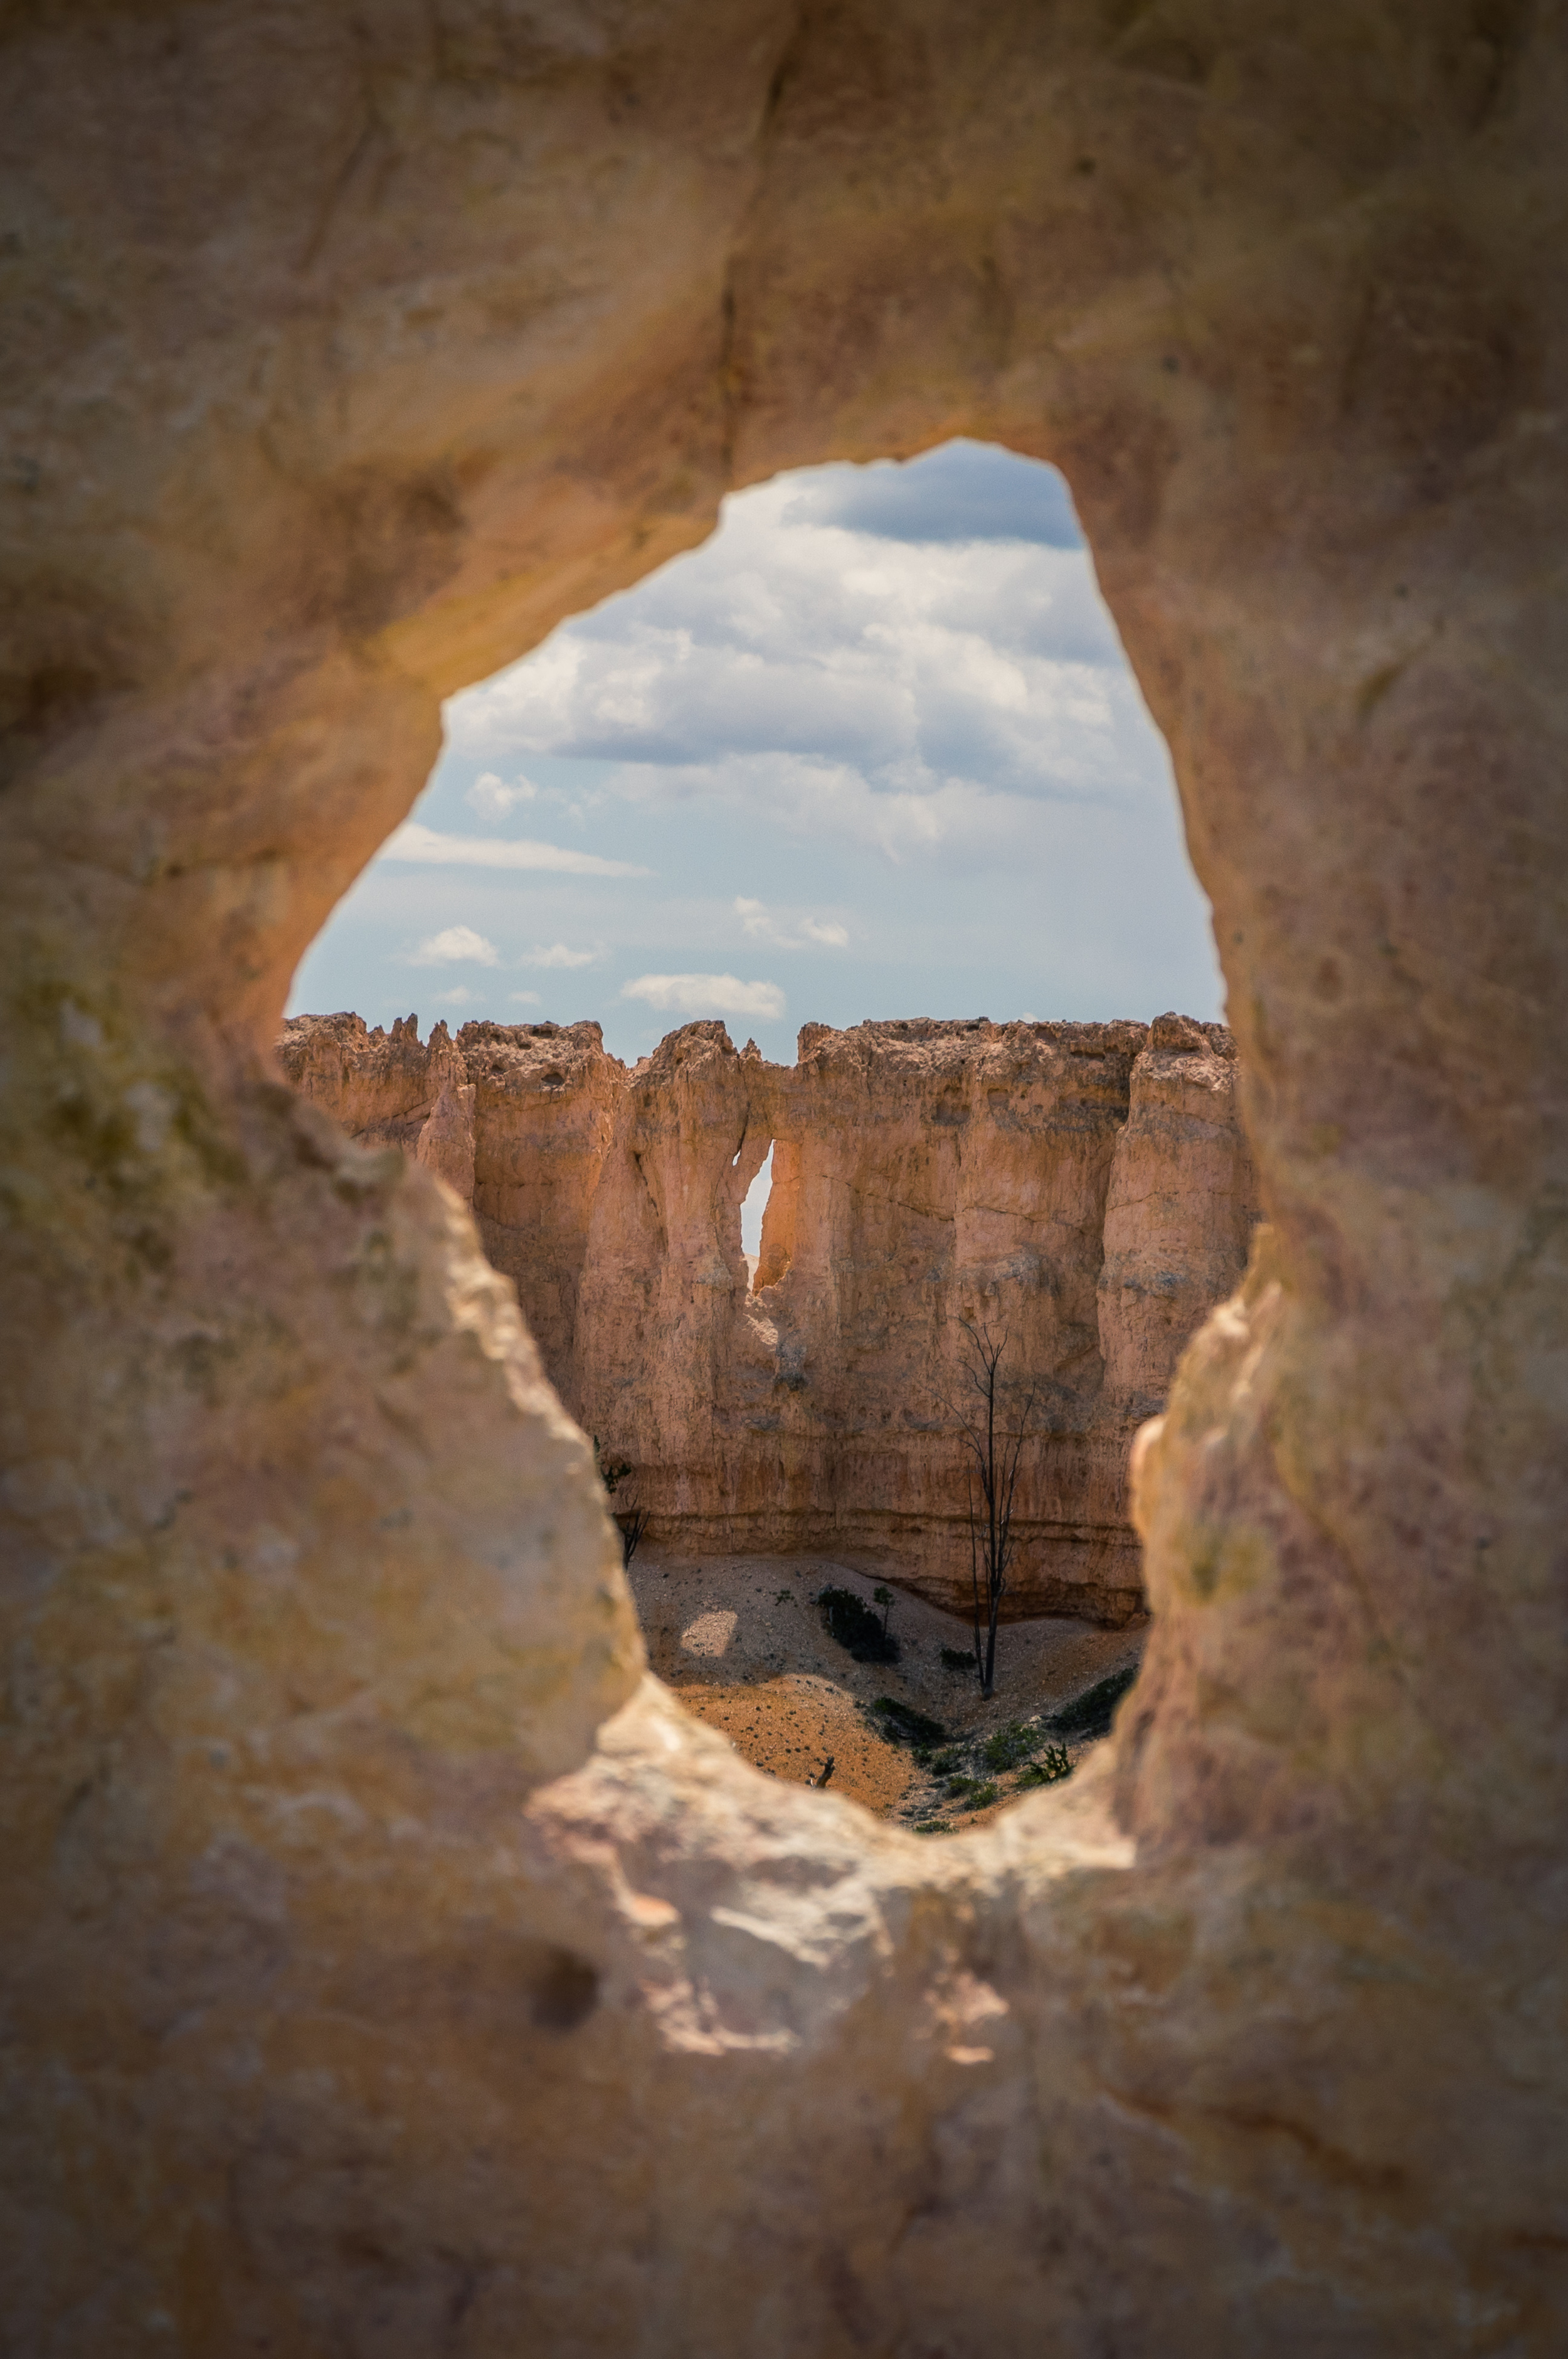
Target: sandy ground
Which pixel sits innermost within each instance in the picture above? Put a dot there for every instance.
(741, 1642)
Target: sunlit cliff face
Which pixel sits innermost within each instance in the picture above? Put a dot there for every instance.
(1084, 1190)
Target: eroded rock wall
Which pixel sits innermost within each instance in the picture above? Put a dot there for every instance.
(1179, 1211)
(1083, 1191)
(515, 1118)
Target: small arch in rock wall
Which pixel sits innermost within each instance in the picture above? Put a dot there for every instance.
(754, 1214)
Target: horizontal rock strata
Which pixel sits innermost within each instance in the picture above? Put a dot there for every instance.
(1084, 1190)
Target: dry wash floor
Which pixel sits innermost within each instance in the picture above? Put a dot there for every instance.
(742, 1643)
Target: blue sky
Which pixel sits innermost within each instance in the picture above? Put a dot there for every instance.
(874, 749)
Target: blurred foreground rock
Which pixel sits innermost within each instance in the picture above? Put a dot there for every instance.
(387, 1970)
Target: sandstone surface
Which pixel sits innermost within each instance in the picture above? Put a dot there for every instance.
(387, 1968)
(1084, 1190)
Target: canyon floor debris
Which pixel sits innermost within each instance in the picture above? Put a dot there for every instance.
(743, 1644)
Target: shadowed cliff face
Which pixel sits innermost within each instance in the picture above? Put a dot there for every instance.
(386, 1967)
(1083, 1189)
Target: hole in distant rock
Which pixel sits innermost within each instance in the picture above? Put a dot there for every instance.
(753, 1207)
(566, 1993)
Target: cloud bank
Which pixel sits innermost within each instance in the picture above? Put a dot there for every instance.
(425, 848)
(706, 994)
(877, 734)
(911, 659)
(557, 954)
(762, 925)
(453, 945)
(955, 495)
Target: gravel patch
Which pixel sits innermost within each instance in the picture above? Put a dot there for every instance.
(742, 1643)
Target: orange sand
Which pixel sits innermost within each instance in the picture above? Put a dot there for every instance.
(740, 1642)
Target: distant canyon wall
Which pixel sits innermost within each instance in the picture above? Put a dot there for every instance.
(1083, 1187)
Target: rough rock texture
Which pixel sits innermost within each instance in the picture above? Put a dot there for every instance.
(516, 1118)
(1179, 1211)
(359, 1996)
(927, 1173)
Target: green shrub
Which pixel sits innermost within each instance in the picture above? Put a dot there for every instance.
(946, 1763)
(611, 1471)
(905, 1724)
(1090, 1714)
(1006, 1747)
(980, 1796)
(960, 1786)
(850, 1620)
(958, 1658)
(1052, 1766)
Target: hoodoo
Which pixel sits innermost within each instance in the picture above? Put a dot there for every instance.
(1083, 1189)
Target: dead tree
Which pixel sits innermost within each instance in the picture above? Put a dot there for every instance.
(994, 1456)
(630, 1522)
(631, 1526)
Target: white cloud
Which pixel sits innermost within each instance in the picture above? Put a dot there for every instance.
(903, 688)
(937, 749)
(764, 926)
(557, 955)
(708, 994)
(525, 998)
(423, 845)
(493, 798)
(457, 997)
(969, 822)
(454, 945)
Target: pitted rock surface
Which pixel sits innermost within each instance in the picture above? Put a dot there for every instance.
(387, 1970)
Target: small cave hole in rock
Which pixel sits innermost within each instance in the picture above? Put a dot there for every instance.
(735, 858)
(565, 1991)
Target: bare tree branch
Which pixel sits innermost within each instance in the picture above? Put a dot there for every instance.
(995, 1466)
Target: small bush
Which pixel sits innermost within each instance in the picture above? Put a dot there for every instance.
(1010, 1745)
(958, 1658)
(932, 1827)
(851, 1622)
(1090, 1714)
(946, 1763)
(980, 1796)
(1052, 1766)
(612, 1472)
(958, 1786)
(902, 1722)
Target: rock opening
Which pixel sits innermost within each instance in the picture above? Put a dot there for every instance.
(753, 1215)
